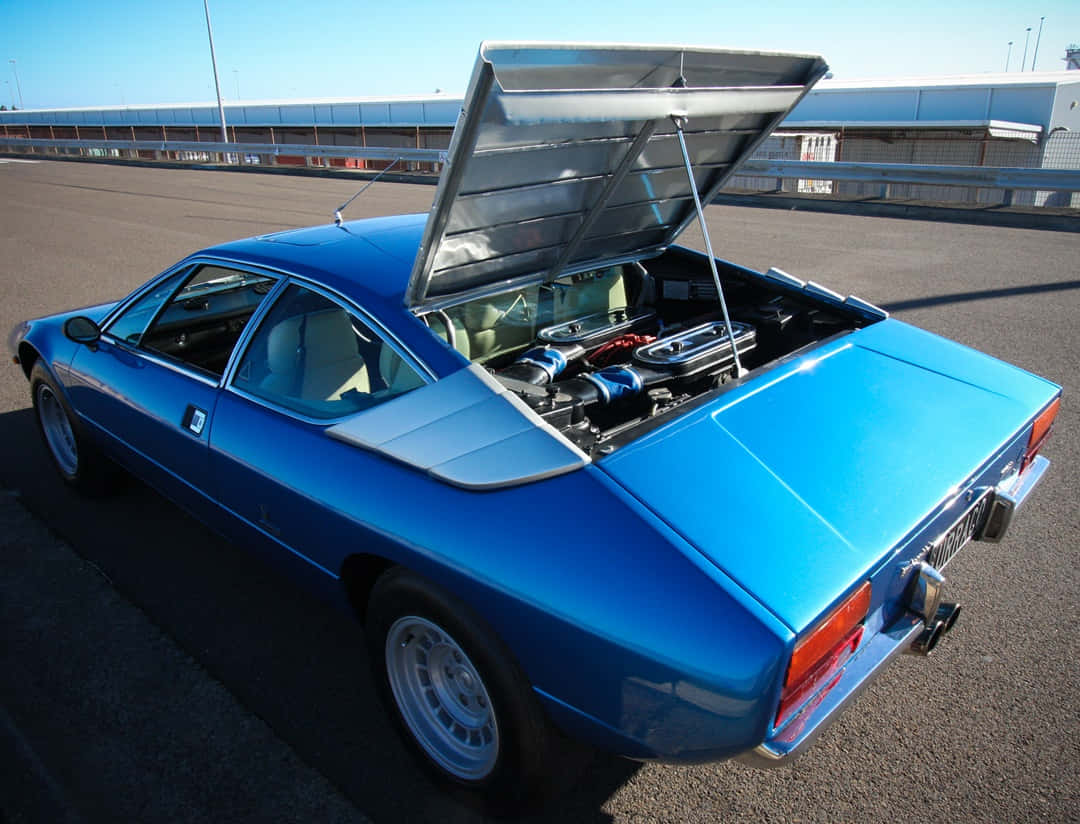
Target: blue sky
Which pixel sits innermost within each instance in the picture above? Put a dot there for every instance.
(127, 51)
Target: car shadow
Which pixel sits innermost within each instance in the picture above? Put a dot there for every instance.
(982, 294)
(289, 658)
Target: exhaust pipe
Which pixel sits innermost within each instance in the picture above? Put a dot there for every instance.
(928, 638)
(944, 620)
(947, 613)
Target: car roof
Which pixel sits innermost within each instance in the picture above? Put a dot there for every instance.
(366, 260)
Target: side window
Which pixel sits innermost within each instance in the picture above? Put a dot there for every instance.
(130, 325)
(312, 356)
(200, 325)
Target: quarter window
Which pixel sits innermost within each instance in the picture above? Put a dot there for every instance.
(312, 356)
(130, 325)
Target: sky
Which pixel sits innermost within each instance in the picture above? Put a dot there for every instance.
(127, 52)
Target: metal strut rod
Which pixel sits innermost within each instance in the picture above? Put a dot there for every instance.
(678, 121)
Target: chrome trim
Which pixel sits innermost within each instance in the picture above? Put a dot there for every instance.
(697, 343)
(819, 291)
(163, 361)
(451, 330)
(866, 306)
(961, 531)
(924, 592)
(122, 304)
(781, 276)
(1009, 496)
(597, 326)
(252, 324)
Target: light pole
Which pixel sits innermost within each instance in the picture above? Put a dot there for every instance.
(1037, 39)
(1008, 54)
(217, 85)
(1027, 37)
(15, 70)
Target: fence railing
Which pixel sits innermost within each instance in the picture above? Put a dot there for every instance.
(226, 153)
(1008, 179)
(1064, 181)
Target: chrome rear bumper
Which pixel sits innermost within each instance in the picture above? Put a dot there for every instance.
(1009, 495)
(787, 743)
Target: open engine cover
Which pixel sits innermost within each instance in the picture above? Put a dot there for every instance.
(565, 156)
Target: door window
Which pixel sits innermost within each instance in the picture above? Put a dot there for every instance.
(312, 356)
(200, 324)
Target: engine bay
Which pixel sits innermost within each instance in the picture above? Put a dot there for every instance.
(600, 354)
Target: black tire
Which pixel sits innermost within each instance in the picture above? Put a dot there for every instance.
(418, 618)
(78, 461)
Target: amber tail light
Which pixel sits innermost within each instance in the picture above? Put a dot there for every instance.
(1040, 431)
(823, 650)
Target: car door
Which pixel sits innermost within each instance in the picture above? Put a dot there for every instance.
(150, 384)
(312, 361)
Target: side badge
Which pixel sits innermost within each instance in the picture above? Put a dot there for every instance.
(194, 420)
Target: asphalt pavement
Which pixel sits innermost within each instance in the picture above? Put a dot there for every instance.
(150, 671)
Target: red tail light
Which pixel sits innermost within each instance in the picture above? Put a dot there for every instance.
(824, 650)
(1040, 431)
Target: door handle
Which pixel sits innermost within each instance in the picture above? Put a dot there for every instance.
(266, 523)
(194, 420)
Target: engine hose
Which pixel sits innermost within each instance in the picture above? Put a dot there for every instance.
(540, 365)
(611, 384)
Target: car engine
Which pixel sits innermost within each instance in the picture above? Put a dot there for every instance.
(599, 376)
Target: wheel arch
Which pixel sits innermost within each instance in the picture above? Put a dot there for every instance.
(28, 356)
(359, 572)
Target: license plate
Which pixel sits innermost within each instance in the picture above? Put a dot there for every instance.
(954, 538)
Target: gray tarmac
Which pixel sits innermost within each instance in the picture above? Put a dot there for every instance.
(150, 671)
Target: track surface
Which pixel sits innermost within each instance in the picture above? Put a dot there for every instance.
(189, 682)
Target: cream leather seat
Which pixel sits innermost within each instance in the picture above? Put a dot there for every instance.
(314, 358)
(399, 376)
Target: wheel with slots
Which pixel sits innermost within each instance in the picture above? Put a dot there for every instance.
(460, 702)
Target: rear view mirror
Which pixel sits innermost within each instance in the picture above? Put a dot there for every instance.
(81, 329)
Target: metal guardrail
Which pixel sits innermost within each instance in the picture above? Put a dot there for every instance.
(886, 174)
(239, 149)
(988, 177)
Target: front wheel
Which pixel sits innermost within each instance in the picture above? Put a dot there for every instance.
(77, 460)
(461, 703)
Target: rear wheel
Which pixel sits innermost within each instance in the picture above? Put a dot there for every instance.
(460, 702)
(78, 461)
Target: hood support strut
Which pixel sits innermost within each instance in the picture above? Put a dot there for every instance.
(613, 182)
(679, 122)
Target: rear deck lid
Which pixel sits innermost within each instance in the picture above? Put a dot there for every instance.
(797, 483)
(565, 156)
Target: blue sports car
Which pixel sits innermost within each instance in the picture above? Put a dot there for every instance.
(575, 480)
